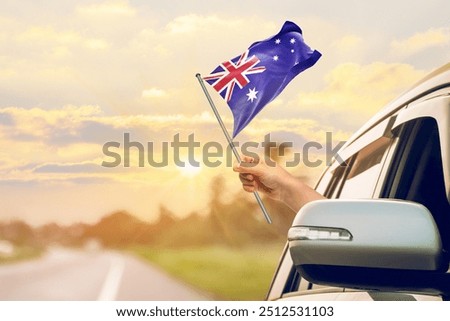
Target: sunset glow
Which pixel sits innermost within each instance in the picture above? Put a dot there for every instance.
(76, 75)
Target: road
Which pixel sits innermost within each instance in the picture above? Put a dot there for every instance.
(64, 274)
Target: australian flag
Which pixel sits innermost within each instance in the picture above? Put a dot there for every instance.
(255, 78)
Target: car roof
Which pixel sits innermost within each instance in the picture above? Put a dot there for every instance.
(439, 78)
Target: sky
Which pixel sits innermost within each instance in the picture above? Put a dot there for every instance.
(75, 75)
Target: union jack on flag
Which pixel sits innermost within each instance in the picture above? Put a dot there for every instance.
(233, 74)
(250, 81)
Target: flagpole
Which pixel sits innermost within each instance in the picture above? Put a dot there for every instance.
(231, 143)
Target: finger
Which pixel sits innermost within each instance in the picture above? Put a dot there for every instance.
(241, 168)
(249, 188)
(247, 159)
(244, 177)
(249, 168)
(248, 165)
(245, 162)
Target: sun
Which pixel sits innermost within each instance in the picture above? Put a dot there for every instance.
(189, 170)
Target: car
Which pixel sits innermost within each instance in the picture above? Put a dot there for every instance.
(383, 233)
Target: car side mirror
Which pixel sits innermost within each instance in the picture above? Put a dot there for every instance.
(376, 244)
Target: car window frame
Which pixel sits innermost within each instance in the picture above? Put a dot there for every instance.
(438, 108)
(349, 154)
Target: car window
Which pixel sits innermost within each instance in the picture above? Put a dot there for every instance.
(364, 170)
(416, 172)
(331, 180)
(339, 174)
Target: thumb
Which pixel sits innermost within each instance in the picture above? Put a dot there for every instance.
(250, 168)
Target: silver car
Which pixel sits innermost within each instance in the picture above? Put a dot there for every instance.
(384, 232)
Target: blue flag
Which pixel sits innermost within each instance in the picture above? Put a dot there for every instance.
(255, 78)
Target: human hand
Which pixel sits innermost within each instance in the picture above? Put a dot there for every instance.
(274, 181)
(257, 175)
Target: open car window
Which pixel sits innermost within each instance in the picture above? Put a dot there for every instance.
(417, 172)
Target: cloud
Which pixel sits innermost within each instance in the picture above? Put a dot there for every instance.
(69, 168)
(88, 124)
(76, 134)
(77, 152)
(44, 35)
(434, 37)
(89, 54)
(41, 123)
(58, 39)
(309, 129)
(348, 43)
(354, 92)
(6, 119)
(193, 23)
(137, 60)
(114, 8)
(63, 144)
(154, 93)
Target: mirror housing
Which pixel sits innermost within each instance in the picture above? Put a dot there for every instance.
(372, 244)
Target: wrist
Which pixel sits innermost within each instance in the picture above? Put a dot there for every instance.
(296, 194)
(291, 192)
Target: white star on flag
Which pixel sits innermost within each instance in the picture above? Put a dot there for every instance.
(252, 94)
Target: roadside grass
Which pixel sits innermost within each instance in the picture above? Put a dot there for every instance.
(21, 253)
(227, 273)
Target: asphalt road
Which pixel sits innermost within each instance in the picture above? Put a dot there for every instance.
(64, 274)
